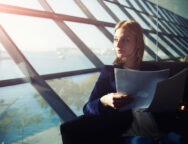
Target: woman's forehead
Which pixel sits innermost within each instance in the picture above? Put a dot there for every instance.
(123, 33)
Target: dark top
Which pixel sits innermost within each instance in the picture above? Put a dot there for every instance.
(104, 85)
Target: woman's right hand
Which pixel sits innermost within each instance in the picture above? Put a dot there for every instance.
(116, 100)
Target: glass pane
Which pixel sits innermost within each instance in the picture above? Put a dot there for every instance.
(74, 90)
(32, 4)
(135, 5)
(25, 118)
(111, 30)
(123, 2)
(150, 42)
(170, 27)
(152, 24)
(97, 11)
(159, 52)
(166, 46)
(138, 18)
(8, 68)
(153, 8)
(117, 11)
(164, 26)
(147, 57)
(163, 16)
(176, 29)
(177, 44)
(68, 7)
(142, 3)
(176, 6)
(43, 43)
(95, 40)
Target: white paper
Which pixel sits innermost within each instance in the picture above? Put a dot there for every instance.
(140, 84)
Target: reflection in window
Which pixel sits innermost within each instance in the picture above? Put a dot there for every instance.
(23, 116)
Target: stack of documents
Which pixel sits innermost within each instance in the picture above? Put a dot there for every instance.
(151, 90)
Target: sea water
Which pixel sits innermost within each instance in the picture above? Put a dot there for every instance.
(26, 104)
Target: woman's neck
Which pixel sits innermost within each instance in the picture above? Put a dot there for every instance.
(131, 63)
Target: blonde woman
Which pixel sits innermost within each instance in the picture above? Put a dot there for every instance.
(103, 123)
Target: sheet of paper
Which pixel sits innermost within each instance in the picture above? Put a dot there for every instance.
(140, 84)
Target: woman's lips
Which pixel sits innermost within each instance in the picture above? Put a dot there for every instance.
(119, 51)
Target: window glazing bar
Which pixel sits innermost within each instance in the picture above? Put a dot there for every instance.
(9, 82)
(81, 45)
(89, 15)
(50, 15)
(61, 108)
(61, 17)
(101, 2)
(138, 11)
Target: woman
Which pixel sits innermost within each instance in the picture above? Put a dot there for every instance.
(103, 122)
(129, 47)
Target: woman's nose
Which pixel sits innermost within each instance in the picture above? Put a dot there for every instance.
(119, 44)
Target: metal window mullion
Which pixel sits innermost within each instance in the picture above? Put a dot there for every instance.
(123, 10)
(64, 112)
(50, 15)
(101, 2)
(174, 48)
(16, 81)
(89, 15)
(54, 16)
(159, 45)
(156, 21)
(139, 15)
(179, 52)
(81, 45)
(159, 13)
(162, 19)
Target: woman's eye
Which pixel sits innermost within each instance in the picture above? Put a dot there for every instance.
(125, 40)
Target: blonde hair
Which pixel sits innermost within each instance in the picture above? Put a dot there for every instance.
(136, 29)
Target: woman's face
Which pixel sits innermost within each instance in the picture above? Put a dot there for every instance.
(124, 43)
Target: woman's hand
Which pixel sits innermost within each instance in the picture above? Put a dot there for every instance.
(116, 100)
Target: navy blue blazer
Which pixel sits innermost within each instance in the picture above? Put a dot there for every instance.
(104, 85)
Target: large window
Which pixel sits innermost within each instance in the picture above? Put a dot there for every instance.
(55, 48)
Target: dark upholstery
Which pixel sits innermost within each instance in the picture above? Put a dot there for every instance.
(174, 67)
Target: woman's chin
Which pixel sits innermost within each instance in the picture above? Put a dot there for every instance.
(121, 56)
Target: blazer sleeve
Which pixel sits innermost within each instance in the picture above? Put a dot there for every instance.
(102, 87)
